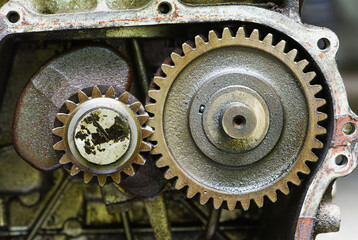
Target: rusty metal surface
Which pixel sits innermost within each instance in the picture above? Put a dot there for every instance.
(306, 36)
(48, 90)
(31, 21)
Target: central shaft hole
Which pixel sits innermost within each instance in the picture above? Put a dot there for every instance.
(239, 122)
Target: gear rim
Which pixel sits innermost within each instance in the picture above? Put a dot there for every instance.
(134, 108)
(313, 129)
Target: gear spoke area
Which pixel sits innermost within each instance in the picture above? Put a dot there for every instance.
(235, 118)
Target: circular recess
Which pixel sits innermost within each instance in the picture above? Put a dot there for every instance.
(13, 17)
(341, 160)
(348, 128)
(164, 7)
(323, 44)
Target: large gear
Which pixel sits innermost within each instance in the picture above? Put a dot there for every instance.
(203, 153)
(103, 135)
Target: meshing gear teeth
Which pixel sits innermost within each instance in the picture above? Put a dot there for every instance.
(190, 53)
(133, 107)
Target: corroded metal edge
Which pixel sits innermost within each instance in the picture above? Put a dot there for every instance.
(307, 36)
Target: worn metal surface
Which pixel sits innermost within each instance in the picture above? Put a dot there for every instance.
(48, 90)
(31, 21)
(17, 177)
(305, 36)
(158, 216)
(103, 134)
(207, 112)
(226, 55)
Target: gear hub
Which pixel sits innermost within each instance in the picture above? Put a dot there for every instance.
(235, 118)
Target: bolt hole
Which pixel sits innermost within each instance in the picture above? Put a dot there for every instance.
(164, 7)
(323, 44)
(202, 108)
(13, 17)
(239, 121)
(348, 128)
(341, 160)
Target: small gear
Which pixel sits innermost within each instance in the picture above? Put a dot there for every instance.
(235, 118)
(102, 135)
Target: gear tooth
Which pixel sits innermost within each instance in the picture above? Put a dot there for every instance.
(311, 157)
(124, 97)
(102, 179)
(227, 33)
(116, 177)
(87, 177)
(135, 106)
(281, 46)
(145, 147)
(139, 160)
(322, 116)
(129, 170)
(191, 192)
(161, 162)
(62, 117)
(143, 118)
(166, 69)
(110, 92)
(199, 41)
(295, 179)
(204, 198)
(70, 105)
(320, 130)
(292, 54)
(74, 170)
(310, 76)
(259, 200)
(155, 94)
(146, 132)
(272, 195)
(59, 146)
(169, 174)
(241, 33)
(179, 184)
(231, 204)
(217, 203)
(177, 59)
(186, 48)
(151, 108)
(302, 64)
(96, 93)
(58, 131)
(82, 97)
(268, 39)
(155, 150)
(65, 159)
(305, 169)
(317, 144)
(320, 102)
(160, 81)
(245, 203)
(255, 35)
(316, 88)
(213, 36)
(284, 188)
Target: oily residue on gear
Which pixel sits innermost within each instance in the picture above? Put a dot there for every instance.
(116, 133)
